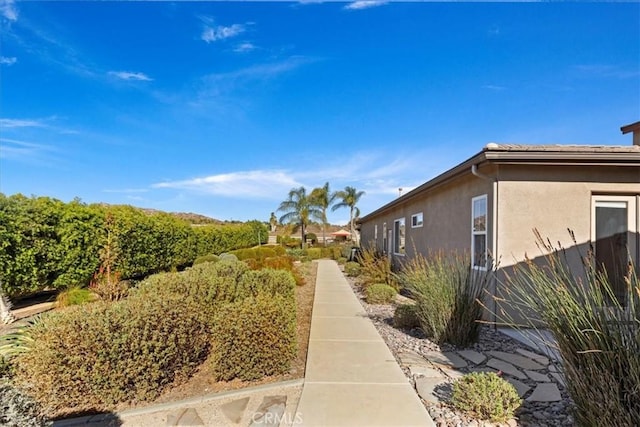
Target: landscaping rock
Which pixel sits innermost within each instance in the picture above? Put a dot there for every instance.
(423, 371)
(543, 360)
(410, 358)
(520, 387)
(559, 379)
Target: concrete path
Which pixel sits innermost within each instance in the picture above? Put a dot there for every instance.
(352, 378)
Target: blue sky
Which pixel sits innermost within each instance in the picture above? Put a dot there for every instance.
(220, 108)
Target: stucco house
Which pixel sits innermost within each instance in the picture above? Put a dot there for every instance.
(490, 204)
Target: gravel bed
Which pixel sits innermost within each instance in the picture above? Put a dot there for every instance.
(530, 414)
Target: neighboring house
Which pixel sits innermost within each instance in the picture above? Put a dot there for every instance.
(491, 203)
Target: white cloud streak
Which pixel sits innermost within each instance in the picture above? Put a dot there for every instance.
(364, 4)
(496, 88)
(244, 47)
(259, 184)
(212, 34)
(15, 149)
(8, 60)
(128, 75)
(8, 10)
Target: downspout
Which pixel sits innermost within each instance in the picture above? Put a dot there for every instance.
(494, 232)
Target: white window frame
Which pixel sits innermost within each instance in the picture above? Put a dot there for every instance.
(417, 217)
(397, 247)
(385, 242)
(375, 232)
(475, 233)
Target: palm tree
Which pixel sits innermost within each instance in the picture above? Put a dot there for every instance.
(322, 197)
(299, 210)
(349, 197)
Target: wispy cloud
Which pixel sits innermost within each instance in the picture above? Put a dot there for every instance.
(8, 10)
(221, 84)
(21, 150)
(607, 71)
(244, 185)
(220, 32)
(497, 88)
(364, 4)
(128, 75)
(21, 123)
(8, 60)
(244, 47)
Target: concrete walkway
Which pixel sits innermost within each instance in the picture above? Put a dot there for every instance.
(352, 378)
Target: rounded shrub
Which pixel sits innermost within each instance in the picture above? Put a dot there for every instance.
(93, 356)
(341, 260)
(314, 253)
(74, 296)
(380, 293)
(485, 395)
(228, 257)
(206, 258)
(352, 269)
(254, 338)
(406, 316)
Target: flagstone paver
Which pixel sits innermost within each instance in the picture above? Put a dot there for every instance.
(234, 410)
(426, 387)
(517, 360)
(447, 358)
(507, 368)
(411, 358)
(520, 387)
(473, 356)
(185, 417)
(537, 376)
(533, 356)
(545, 392)
(270, 411)
(559, 378)
(424, 371)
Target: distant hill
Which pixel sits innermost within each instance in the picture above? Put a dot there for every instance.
(192, 218)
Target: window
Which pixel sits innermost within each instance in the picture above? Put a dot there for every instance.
(375, 232)
(384, 237)
(416, 220)
(479, 231)
(398, 237)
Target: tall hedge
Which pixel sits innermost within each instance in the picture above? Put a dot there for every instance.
(46, 243)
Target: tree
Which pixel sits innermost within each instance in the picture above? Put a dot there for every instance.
(299, 210)
(322, 197)
(349, 197)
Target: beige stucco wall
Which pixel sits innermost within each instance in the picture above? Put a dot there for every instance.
(552, 199)
(446, 214)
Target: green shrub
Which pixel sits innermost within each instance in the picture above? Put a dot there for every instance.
(268, 282)
(206, 258)
(296, 253)
(376, 268)
(352, 269)
(406, 316)
(597, 334)
(314, 253)
(228, 257)
(93, 356)
(485, 395)
(380, 293)
(74, 296)
(447, 293)
(341, 260)
(254, 338)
